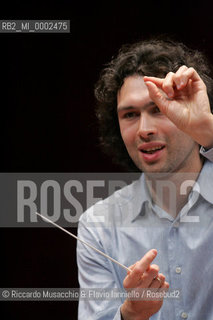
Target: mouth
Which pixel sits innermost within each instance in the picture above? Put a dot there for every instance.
(152, 150)
(152, 153)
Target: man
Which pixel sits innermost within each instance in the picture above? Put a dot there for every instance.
(154, 111)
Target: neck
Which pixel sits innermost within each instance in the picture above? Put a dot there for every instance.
(170, 191)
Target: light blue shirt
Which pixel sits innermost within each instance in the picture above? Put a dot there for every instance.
(127, 225)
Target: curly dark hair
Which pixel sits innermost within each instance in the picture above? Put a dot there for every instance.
(150, 58)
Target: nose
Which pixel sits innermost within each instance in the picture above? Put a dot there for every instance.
(146, 126)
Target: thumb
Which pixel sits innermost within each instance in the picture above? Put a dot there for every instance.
(157, 96)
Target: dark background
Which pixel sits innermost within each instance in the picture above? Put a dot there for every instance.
(47, 121)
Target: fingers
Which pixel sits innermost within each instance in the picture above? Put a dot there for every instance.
(165, 286)
(134, 277)
(143, 275)
(181, 77)
(158, 281)
(158, 96)
(157, 81)
(175, 81)
(148, 277)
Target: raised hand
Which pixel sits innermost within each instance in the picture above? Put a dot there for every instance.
(183, 98)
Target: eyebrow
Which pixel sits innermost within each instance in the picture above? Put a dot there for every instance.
(124, 108)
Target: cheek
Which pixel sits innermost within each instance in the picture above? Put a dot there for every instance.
(128, 135)
(179, 140)
(168, 126)
(170, 132)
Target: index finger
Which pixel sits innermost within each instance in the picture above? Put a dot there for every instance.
(139, 268)
(155, 80)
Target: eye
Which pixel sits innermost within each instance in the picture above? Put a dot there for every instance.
(130, 115)
(156, 110)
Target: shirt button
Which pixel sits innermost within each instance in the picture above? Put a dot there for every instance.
(176, 224)
(178, 270)
(184, 315)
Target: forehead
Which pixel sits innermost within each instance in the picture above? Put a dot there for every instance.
(132, 90)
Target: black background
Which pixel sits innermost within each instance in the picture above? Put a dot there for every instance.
(47, 121)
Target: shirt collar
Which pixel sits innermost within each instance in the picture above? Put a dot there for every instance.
(204, 183)
(140, 196)
(140, 193)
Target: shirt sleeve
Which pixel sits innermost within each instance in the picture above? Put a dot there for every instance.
(207, 153)
(95, 273)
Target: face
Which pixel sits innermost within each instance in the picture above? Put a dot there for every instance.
(153, 142)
